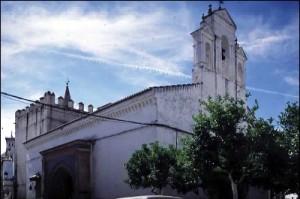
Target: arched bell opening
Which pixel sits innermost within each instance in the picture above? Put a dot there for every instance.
(225, 54)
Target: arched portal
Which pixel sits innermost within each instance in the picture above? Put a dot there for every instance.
(66, 171)
(61, 184)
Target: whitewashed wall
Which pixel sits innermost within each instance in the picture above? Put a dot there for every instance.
(115, 141)
(176, 105)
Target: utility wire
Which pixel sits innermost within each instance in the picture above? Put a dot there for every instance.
(86, 114)
(28, 103)
(15, 99)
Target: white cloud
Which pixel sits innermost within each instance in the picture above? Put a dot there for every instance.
(2, 75)
(262, 44)
(35, 96)
(261, 40)
(141, 81)
(291, 80)
(288, 75)
(272, 92)
(134, 39)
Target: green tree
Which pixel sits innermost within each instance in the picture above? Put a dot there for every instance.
(274, 153)
(220, 143)
(229, 149)
(150, 167)
(289, 140)
(184, 176)
(268, 159)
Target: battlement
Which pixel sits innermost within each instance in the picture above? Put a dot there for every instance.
(49, 99)
(45, 114)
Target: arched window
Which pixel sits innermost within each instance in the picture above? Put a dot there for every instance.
(225, 48)
(225, 55)
(207, 54)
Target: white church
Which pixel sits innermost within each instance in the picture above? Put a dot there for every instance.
(62, 152)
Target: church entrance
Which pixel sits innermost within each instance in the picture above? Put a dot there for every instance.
(66, 171)
(61, 185)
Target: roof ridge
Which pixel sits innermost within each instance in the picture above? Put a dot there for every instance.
(114, 103)
(174, 85)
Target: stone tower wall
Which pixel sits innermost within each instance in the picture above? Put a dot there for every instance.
(33, 121)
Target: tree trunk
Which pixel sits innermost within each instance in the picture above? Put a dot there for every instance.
(242, 189)
(161, 191)
(233, 187)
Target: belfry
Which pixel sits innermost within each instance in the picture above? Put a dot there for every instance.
(219, 62)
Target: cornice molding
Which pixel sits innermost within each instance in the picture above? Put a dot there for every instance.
(88, 122)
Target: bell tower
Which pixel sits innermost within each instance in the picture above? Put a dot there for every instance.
(219, 61)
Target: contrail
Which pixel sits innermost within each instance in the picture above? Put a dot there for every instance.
(271, 92)
(111, 62)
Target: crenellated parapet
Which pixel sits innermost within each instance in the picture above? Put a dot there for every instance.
(49, 99)
(45, 114)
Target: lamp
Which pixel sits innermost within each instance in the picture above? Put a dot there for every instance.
(35, 177)
(34, 180)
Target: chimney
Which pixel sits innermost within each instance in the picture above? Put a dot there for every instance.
(61, 101)
(18, 113)
(90, 108)
(32, 105)
(81, 106)
(52, 98)
(42, 100)
(70, 103)
(47, 97)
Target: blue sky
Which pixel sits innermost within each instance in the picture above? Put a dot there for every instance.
(110, 50)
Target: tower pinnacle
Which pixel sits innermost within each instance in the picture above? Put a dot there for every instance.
(67, 93)
(209, 9)
(220, 2)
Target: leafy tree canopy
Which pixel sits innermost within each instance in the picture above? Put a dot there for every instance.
(149, 167)
(220, 141)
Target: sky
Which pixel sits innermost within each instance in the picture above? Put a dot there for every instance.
(110, 50)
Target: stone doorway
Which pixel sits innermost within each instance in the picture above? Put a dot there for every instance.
(66, 171)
